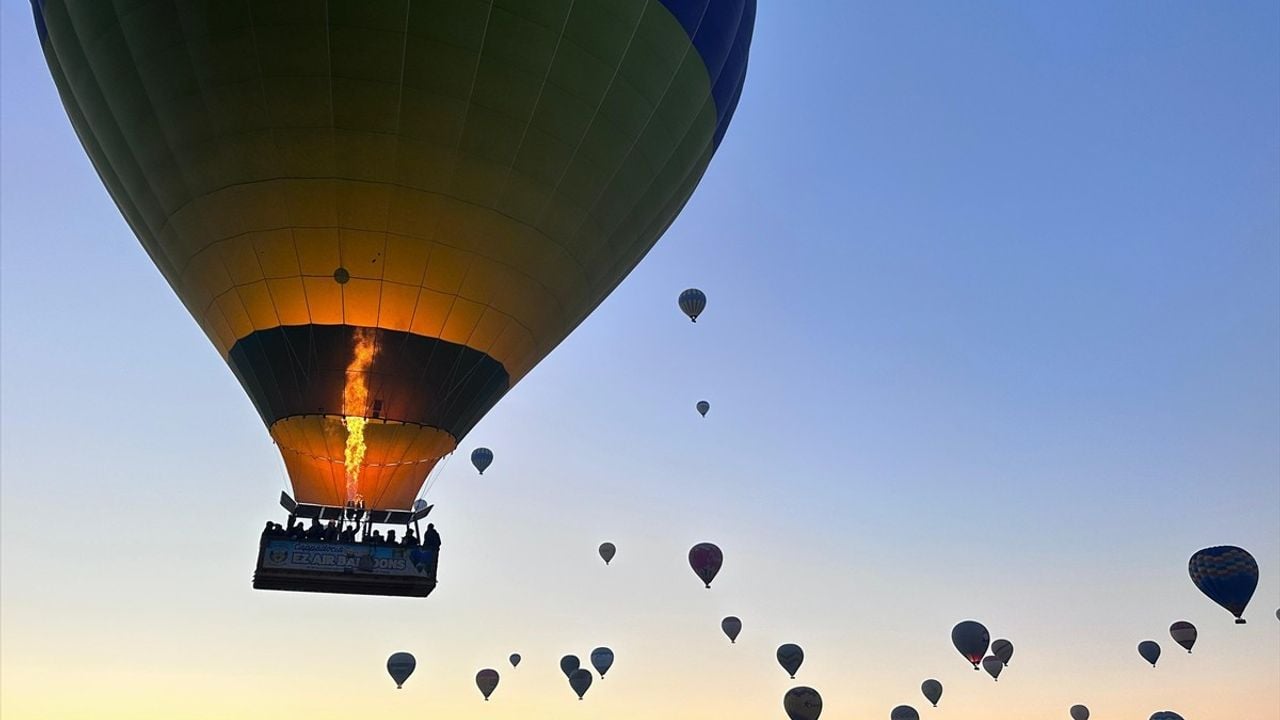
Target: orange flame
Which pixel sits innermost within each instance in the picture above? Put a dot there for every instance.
(355, 401)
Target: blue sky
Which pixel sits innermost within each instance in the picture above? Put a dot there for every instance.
(993, 332)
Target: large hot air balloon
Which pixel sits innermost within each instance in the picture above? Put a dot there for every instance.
(514, 659)
(607, 551)
(932, 690)
(568, 664)
(802, 703)
(580, 681)
(731, 627)
(706, 559)
(692, 302)
(487, 682)
(400, 666)
(384, 215)
(703, 407)
(481, 458)
(1079, 712)
(1183, 633)
(1228, 575)
(971, 639)
(1150, 651)
(790, 657)
(1002, 649)
(904, 712)
(602, 660)
(993, 666)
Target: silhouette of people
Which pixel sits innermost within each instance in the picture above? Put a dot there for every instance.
(410, 538)
(431, 538)
(391, 537)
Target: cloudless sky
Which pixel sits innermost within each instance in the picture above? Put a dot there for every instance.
(993, 333)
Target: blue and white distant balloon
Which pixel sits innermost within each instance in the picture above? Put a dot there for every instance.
(400, 666)
(482, 458)
(1228, 575)
(692, 303)
(602, 660)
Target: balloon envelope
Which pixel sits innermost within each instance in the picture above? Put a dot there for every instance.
(932, 690)
(482, 458)
(515, 659)
(607, 551)
(904, 712)
(487, 681)
(569, 664)
(706, 559)
(993, 666)
(1166, 715)
(400, 666)
(802, 703)
(971, 639)
(580, 681)
(731, 627)
(790, 657)
(416, 206)
(692, 302)
(1002, 649)
(602, 660)
(1150, 651)
(703, 406)
(1228, 575)
(1079, 712)
(1183, 633)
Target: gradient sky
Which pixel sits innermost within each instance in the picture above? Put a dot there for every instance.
(993, 332)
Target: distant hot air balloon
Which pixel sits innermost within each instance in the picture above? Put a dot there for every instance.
(706, 559)
(482, 458)
(692, 303)
(731, 627)
(971, 639)
(1228, 575)
(1150, 651)
(400, 666)
(1166, 715)
(607, 551)
(1183, 633)
(703, 406)
(515, 659)
(1079, 712)
(580, 681)
(790, 657)
(602, 660)
(904, 712)
(568, 664)
(932, 690)
(993, 666)
(802, 703)
(1002, 649)
(383, 221)
(487, 681)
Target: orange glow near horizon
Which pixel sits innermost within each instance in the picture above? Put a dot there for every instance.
(355, 401)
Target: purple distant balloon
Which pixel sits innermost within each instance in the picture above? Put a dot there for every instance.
(706, 559)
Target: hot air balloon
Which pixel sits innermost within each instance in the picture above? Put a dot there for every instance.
(706, 559)
(993, 666)
(568, 664)
(790, 657)
(384, 220)
(482, 458)
(602, 660)
(731, 627)
(932, 690)
(802, 703)
(580, 681)
(400, 666)
(607, 551)
(971, 639)
(1002, 649)
(904, 712)
(1079, 712)
(1150, 651)
(487, 681)
(1183, 633)
(1166, 715)
(692, 303)
(515, 659)
(1228, 575)
(703, 407)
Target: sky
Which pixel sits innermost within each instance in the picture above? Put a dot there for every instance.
(993, 332)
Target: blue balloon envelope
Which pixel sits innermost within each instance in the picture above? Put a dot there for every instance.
(1228, 575)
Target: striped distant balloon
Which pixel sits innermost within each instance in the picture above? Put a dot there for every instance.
(1002, 649)
(482, 458)
(1079, 712)
(1228, 575)
(692, 303)
(1183, 633)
